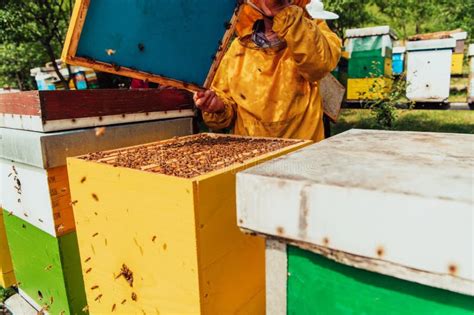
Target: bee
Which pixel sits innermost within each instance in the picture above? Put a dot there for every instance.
(99, 132)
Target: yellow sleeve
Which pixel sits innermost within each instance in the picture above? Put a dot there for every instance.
(220, 85)
(315, 48)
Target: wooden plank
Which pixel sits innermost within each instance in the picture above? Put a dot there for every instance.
(21, 103)
(364, 183)
(276, 267)
(58, 105)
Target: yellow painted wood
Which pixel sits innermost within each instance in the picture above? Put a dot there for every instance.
(7, 277)
(368, 89)
(457, 63)
(178, 236)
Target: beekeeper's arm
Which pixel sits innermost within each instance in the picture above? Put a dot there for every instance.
(218, 107)
(315, 48)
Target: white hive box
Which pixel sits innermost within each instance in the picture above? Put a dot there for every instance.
(429, 69)
(394, 203)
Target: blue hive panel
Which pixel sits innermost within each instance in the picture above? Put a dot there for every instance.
(176, 39)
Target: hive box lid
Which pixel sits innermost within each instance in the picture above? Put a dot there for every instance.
(399, 49)
(399, 198)
(432, 44)
(47, 111)
(370, 31)
(51, 149)
(175, 43)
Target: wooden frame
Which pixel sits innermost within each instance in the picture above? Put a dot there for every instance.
(74, 34)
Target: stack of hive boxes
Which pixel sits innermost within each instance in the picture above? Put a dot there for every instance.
(35, 198)
(370, 63)
(170, 243)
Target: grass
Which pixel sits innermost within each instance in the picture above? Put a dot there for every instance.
(450, 121)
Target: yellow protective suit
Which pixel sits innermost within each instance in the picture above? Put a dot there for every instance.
(273, 92)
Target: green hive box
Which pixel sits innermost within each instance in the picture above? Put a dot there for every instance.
(336, 289)
(369, 67)
(48, 269)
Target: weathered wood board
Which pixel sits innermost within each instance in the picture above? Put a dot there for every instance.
(400, 203)
(176, 43)
(178, 236)
(46, 111)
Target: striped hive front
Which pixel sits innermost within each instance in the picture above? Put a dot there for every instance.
(163, 243)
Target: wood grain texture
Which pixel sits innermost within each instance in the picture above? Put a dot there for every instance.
(21, 103)
(57, 105)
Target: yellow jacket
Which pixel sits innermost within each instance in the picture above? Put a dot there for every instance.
(273, 92)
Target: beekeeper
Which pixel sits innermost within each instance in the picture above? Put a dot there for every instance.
(267, 82)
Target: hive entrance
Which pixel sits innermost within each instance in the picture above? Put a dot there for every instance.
(190, 156)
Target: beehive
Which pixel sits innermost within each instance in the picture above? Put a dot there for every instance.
(368, 89)
(7, 277)
(157, 227)
(429, 69)
(364, 213)
(35, 195)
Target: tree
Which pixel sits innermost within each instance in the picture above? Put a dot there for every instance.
(352, 14)
(40, 22)
(16, 61)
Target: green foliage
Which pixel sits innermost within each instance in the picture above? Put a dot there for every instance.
(31, 33)
(352, 14)
(5, 294)
(16, 61)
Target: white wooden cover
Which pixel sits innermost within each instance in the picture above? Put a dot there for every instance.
(404, 198)
(370, 31)
(431, 44)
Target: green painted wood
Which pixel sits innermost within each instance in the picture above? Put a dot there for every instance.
(46, 266)
(368, 67)
(317, 285)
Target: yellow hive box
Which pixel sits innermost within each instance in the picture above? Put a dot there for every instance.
(159, 244)
(7, 277)
(457, 63)
(368, 89)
